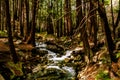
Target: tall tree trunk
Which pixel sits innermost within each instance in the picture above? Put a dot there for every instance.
(84, 35)
(13, 29)
(78, 12)
(10, 38)
(3, 17)
(58, 25)
(27, 28)
(81, 28)
(61, 21)
(93, 24)
(49, 25)
(68, 20)
(117, 21)
(0, 16)
(112, 15)
(50, 29)
(15, 7)
(109, 41)
(20, 18)
(31, 38)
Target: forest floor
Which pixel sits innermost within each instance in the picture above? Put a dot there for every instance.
(100, 69)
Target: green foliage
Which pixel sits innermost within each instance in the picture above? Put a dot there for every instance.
(3, 33)
(81, 44)
(106, 2)
(102, 75)
(118, 54)
(116, 9)
(16, 69)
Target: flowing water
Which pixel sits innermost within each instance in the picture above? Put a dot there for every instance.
(55, 63)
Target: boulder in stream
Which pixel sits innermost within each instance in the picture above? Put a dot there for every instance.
(36, 51)
(51, 45)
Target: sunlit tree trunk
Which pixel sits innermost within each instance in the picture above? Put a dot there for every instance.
(117, 22)
(10, 38)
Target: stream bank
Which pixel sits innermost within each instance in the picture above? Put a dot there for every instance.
(52, 65)
(51, 61)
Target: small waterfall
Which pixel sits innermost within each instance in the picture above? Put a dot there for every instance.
(67, 54)
(56, 59)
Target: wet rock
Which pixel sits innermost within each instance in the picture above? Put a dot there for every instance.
(38, 68)
(67, 60)
(54, 48)
(39, 52)
(78, 52)
(39, 38)
(55, 71)
(43, 72)
(77, 55)
(51, 45)
(77, 58)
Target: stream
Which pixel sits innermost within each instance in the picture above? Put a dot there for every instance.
(58, 66)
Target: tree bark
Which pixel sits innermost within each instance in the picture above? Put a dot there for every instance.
(78, 12)
(50, 29)
(68, 20)
(61, 21)
(27, 27)
(117, 20)
(93, 24)
(109, 41)
(113, 24)
(31, 38)
(0, 16)
(20, 18)
(10, 38)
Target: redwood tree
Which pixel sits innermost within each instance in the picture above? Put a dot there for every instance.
(10, 38)
(31, 38)
(68, 20)
(109, 41)
(0, 16)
